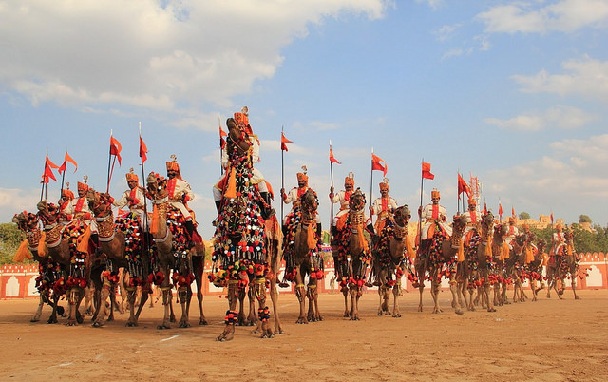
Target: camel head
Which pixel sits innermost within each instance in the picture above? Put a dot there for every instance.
(309, 201)
(99, 203)
(357, 201)
(459, 223)
(487, 223)
(156, 186)
(26, 221)
(402, 215)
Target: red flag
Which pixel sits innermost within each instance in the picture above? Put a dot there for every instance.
(426, 171)
(284, 142)
(500, 211)
(68, 159)
(143, 150)
(462, 186)
(513, 211)
(379, 164)
(48, 171)
(115, 148)
(485, 208)
(222, 135)
(331, 155)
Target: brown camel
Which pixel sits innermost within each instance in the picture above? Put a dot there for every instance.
(562, 265)
(388, 259)
(301, 252)
(438, 258)
(500, 253)
(352, 254)
(49, 271)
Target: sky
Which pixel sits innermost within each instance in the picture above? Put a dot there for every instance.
(514, 93)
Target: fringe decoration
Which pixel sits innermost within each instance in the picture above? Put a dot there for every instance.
(83, 241)
(488, 252)
(231, 189)
(155, 223)
(43, 250)
(311, 241)
(460, 253)
(362, 239)
(569, 249)
(22, 252)
(529, 255)
(505, 251)
(410, 250)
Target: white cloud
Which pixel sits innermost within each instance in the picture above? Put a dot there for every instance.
(142, 54)
(562, 117)
(540, 17)
(585, 77)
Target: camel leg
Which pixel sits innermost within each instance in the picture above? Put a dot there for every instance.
(131, 297)
(455, 299)
(185, 296)
(346, 293)
(101, 312)
(354, 299)
(168, 308)
(300, 295)
(38, 313)
(396, 294)
(421, 293)
(313, 301)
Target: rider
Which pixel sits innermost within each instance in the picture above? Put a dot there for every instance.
(473, 221)
(559, 241)
(179, 193)
(512, 232)
(342, 197)
(242, 120)
(294, 196)
(78, 209)
(433, 216)
(383, 207)
(66, 197)
(133, 197)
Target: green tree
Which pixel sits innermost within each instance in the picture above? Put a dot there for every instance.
(524, 215)
(10, 238)
(584, 219)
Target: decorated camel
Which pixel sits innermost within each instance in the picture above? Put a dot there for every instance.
(301, 250)
(500, 254)
(389, 257)
(174, 260)
(439, 259)
(240, 250)
(352, 254)
(49, 271)
(67, 245)
(563, 263)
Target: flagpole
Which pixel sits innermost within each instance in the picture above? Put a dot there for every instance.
(420, 208)
(44, 179)
(331, 191)
(144, 220)
(219, 123)
(109, 164)
(371, 182)
(282, 173)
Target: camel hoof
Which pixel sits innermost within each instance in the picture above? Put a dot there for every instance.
(60, 310)
(98, 324)
(34, 319)
(267, 334)
(577, 298)
(131, 324)
(397, 315)
(163, 327)
(459, 312)
(202, 322)
(184, 325)
(491, 310)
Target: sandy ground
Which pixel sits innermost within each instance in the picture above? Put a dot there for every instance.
(546, 340)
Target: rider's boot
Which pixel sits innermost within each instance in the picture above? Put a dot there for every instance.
(266, 209)
(190, 229)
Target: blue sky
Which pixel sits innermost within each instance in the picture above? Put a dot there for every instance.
(512, 92)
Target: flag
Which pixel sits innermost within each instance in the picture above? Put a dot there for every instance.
(222, 135)
(500, 211)
(331, 155)
(115, 148)
(513, 211)
(284, 142)
(379, 164)
(551, 217)
(143, 150)
(426, 171)
(485, 208)
(463, 187)
(48, 171)
(68, 159)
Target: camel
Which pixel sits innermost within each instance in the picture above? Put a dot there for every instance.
(478, 262)
(562, 265)
(240, 252)
(114, 255)
(48, 269)
(500, 252)
(388, 259)
(352, 254)
(63, 245)
(301, 252)
(533, 266)
(438, 259)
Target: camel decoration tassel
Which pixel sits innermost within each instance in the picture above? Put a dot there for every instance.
(43, 250)
(83, 241)
(155, 224)
(231, 189)
(22, 252)
(311, 241)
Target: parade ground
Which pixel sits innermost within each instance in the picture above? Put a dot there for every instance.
(546, 340)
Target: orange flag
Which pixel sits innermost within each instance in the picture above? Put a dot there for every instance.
(115, 148)
(426, 171)
(48, 171)
(284, 142)
(143, 150)
(222, 135)
(331, 155)
(379, 164)
(68, 159)
(463, 186)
